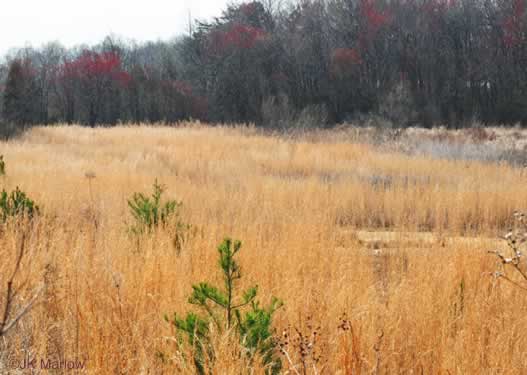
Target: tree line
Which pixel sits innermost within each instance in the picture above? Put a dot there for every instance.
(405, 62)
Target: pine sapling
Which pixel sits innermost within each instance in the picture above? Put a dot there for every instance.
(228, 310)
(16, 204)
(150, 212)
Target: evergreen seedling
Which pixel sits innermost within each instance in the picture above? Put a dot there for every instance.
(227, 309)
(16, 204)
(149, 212)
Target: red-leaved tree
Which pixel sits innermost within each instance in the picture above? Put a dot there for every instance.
(235, 37)
(89, 81)
(513, 24)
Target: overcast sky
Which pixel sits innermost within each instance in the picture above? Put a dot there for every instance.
(74, 22)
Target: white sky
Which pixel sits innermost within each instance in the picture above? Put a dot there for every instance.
(73, 22)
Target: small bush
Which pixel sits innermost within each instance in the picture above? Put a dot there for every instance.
(371, 120)
(222, 308)
(278, 113)
(479, 134)
(398, 107)
(311, 117)
(16, 204)
(150, 212)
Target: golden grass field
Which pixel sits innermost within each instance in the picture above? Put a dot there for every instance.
(329, 225)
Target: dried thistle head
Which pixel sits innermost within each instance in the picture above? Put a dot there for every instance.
(344, 323)
(2, 165)
(283, 341)
(89, 175)
(302, 345)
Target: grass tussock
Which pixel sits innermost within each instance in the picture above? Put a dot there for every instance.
(305, 208)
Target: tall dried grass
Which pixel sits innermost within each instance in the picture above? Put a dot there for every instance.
(297, 204)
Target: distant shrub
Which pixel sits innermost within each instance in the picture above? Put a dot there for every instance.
(222, 308)
(16, 204)
(277, 112)
(150, 212)
(398, 107)
(312, 116)
(479, 134)
(371, 120)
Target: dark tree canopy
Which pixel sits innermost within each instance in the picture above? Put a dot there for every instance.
(19, 107)
(409, 62)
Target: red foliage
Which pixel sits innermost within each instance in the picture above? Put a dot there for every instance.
(238, 36)
(375, 19)
(123, 78)
(343, 60)
(513, 24)
(346, 56)
(92, 66)
(519, 8)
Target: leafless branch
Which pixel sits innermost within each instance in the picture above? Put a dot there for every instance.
(11, 292)
(515, 238)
